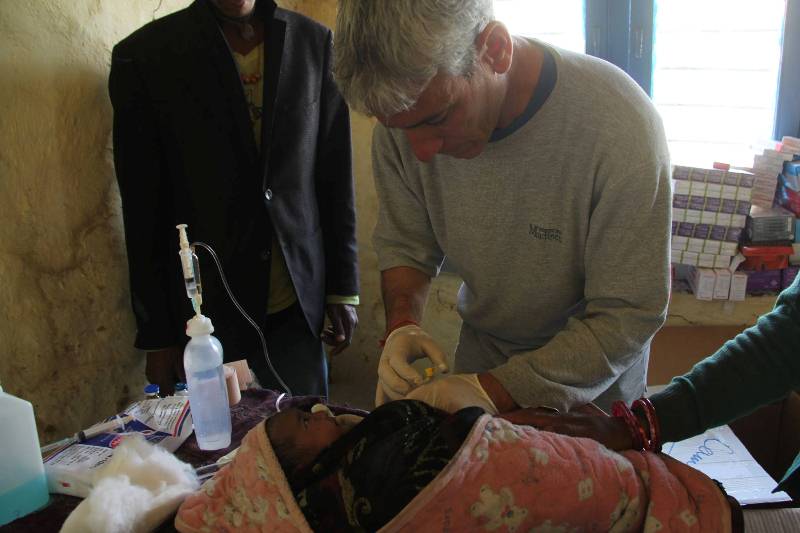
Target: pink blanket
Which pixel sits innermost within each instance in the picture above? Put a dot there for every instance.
(504, 478)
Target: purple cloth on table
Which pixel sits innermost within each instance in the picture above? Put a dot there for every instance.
(256, 405)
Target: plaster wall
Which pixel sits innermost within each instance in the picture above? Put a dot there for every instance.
(66, 328)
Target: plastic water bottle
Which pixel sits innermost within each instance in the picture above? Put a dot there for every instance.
(23, 485)
(208, 396)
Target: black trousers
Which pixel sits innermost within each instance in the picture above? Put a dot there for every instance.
(296, 354)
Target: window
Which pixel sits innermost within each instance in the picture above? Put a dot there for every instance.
(724, 74)
(558, 22)
(715, 76)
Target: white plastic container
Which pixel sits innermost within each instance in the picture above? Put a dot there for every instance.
(23, 486)
(208, 396)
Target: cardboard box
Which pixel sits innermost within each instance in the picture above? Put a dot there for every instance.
(771, 433)
(772, 436)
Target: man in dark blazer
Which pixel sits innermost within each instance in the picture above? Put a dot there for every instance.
(226, 118)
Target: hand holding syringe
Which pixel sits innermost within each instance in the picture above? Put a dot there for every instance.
(191, 270)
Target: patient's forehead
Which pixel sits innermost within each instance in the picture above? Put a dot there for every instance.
(284, 423)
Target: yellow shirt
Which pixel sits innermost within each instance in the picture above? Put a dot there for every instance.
(281, 289)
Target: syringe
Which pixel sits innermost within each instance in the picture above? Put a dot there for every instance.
(115, 423)
(191, 270)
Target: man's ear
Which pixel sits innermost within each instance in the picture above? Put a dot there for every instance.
(495, 46)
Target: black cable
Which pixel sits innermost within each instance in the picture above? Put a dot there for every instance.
(244, 313)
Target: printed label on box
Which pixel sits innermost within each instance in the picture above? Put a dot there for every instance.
(685, 229)
(701, 231)
(697, 202)
(718, 233)
(728, 206)
(713, 204)
(742, 207)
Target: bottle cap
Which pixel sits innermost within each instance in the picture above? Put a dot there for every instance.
(152, 388)
(199, 325)
(180, 386)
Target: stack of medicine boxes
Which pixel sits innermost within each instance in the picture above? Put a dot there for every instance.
(714, 210)
(772, 235)
(768, 165)
(709, 211)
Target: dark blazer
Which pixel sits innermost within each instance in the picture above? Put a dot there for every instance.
(184, 152)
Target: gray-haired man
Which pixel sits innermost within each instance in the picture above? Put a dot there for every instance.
(543, 176)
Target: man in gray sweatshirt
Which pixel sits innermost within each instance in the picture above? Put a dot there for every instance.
(543, 175)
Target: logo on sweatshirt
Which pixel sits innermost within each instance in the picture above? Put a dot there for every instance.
(545, 234)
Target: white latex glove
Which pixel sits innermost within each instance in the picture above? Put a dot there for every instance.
(454, 392)
(403, 346)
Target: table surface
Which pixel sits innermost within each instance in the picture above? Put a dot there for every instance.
(686, 310)
(256, 404)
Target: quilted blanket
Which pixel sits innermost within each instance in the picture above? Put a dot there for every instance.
(504, 477)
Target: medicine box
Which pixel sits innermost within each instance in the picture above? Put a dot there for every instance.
(759, 258)
(769, 225)
(702, 281)
(722, 283)
(738, 287)
(763, 281)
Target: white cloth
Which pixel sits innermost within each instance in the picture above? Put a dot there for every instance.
(139, 488)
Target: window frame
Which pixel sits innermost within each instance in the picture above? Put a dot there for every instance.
(622, 33)
(787, 108)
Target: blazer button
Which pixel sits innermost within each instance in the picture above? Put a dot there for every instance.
(268, 194)
(265, 255)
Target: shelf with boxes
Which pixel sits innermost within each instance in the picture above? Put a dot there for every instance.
(735, 232)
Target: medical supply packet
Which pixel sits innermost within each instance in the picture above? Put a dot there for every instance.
(165, 422)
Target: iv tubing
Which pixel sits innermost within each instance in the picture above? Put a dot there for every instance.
(244, 313)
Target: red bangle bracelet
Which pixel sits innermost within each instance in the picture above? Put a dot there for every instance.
(620, 409)
(395, 325)
(654, 440)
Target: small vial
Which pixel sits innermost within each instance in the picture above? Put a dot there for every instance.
(181, 389)
(151, 391)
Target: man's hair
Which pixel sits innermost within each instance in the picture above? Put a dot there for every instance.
(387, 51)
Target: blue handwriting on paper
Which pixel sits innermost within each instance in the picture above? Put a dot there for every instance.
(707, 449)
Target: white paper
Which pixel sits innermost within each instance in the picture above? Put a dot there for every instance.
(720, 455)
(165, 422)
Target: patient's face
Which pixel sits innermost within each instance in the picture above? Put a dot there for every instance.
(311, 432)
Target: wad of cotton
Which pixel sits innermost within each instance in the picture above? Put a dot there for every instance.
(139, 488)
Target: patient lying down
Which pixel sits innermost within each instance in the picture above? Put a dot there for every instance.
(410, 467)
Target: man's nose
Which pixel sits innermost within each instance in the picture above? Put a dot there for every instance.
(424, 146)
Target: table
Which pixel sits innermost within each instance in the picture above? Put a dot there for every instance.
(256, 404)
